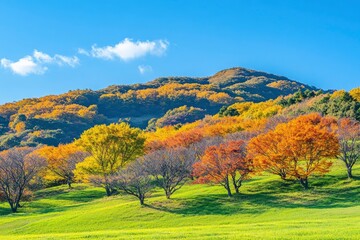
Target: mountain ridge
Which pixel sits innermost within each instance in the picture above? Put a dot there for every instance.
(60, 118)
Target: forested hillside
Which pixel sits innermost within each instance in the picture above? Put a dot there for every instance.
(58, 119)
(291, 152)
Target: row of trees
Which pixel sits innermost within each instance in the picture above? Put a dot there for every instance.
(118, 157)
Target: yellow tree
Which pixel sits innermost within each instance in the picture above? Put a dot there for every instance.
(355, 93)
(110, 148)
(300, 147)
(61, 161)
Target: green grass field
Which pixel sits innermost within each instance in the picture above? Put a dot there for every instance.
(267, 208)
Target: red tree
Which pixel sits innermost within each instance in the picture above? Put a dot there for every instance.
(225, 164)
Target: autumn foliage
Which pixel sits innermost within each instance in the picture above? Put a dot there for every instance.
(226, 164)
(110, 148)
(281, 136)
(297, 149)
(61, 161)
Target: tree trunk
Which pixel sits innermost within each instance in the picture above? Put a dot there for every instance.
(282, 174)
(16, 204)
(228, 191)
(69, 183)
(141, 198)
(227, 187)
(108, 191)
(349, 172)
(13, 207)
(304, 182)
(168, 194)
(236, 185)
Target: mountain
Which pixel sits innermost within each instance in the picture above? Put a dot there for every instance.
(58, 119)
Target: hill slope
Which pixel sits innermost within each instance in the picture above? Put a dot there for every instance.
(266, 208)
(58, 119)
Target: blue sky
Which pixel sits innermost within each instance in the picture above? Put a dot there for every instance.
(50, 47)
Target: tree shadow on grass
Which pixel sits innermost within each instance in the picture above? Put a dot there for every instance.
(50, 200)
(325, 192)
(5, 210)
(214, 204)
(75, 196)
(78, 194)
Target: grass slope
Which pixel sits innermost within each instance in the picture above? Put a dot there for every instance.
(267, 208)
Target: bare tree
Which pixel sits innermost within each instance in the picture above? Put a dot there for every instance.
(17, 167)
(242, 135)
(171, 167)
(349, 139)
(66, 171)
(134, 180)
(199, 148)
(273, 121)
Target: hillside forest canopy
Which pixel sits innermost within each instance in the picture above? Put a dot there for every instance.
(221, 139)
(59, 119)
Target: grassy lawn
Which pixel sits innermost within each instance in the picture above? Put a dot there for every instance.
(267, 208)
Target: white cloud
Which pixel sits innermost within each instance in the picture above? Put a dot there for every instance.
(144, 69)
(83, 51)
(41, 57)
(24, 66)
(37, 63)
(64, 60)
(128, 49)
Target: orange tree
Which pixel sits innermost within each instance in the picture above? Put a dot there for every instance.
(267, 150)
(298, 148)
(225, 164)
(61, 161)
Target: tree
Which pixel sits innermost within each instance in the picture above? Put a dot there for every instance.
(267, 152)
(298, 148)
(171, 167)
(134, 180)
(225, 164)
(18, 166)
(236, 151)
(185, 138)
(349, 140)
(199, 148)
(111, 148)
(180, 115)
(61, 161)
(355, 93)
